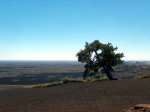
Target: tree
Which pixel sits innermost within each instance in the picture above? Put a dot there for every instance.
(99, 57)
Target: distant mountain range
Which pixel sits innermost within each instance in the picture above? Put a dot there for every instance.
(138, 62)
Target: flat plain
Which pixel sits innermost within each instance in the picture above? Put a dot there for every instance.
(35, 72)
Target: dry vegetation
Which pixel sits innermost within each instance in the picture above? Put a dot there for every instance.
(67, 80)
(146, 75)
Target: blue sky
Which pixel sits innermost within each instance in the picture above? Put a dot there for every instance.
(58, 29)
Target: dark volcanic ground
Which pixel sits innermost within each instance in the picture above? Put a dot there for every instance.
(107, 96)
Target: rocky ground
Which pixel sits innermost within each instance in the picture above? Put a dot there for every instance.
(138, 108)
(107, 96)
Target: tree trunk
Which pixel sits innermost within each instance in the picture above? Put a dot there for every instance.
(110, 77)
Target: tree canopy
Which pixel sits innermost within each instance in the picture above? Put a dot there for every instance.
(99, 57)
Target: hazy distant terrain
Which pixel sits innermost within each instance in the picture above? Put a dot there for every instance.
(33, 72)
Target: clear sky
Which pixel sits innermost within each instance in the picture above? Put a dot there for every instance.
(58, 29)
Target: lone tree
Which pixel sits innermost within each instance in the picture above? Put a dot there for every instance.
(99, 57)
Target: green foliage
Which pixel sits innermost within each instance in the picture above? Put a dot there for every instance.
(147, 75)
(99, 57)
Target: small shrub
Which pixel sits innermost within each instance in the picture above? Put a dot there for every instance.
(147, 75)
(94, 79)
(66, 80)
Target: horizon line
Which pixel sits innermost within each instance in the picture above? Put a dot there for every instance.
(64, 60)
